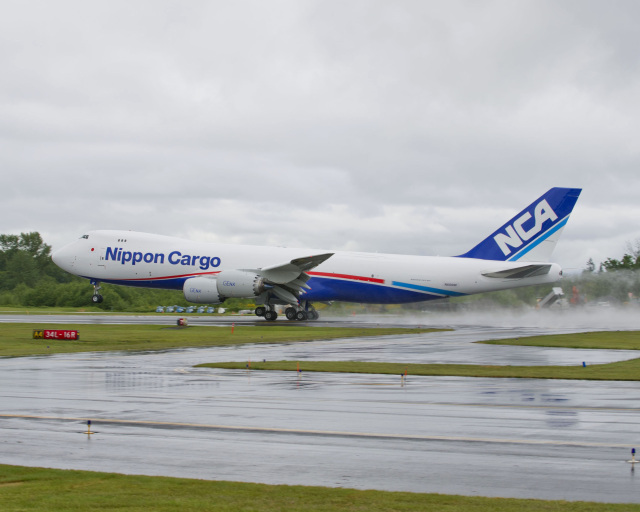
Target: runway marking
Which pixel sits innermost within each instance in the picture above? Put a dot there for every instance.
(333, 433)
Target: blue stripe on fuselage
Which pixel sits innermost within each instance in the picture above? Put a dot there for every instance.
(428, 290)
(323, 289)
(327, 289)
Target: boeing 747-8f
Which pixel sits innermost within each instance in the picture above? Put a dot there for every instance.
(517, 254)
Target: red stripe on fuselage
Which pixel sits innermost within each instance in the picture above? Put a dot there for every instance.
(345, 276)
(317, 274)
(172, 277)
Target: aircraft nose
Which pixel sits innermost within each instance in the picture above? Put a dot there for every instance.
(63, 258)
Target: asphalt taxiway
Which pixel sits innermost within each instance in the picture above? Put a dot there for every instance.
(153, 413)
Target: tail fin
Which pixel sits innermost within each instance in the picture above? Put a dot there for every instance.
(533, 233)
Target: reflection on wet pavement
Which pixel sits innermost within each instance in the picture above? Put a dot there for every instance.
(156, 414)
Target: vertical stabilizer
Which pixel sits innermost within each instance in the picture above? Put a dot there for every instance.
(533, 233)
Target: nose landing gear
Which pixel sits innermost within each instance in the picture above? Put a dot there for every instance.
(97, 298)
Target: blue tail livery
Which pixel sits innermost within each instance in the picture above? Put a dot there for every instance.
(533, 233)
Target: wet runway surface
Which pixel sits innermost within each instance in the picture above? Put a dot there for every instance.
(153, 413)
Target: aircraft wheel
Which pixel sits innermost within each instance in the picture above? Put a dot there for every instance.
(301, 316)
(96, 299)
(313, 315)
(290, 313)
(260, 311)
(270, 316)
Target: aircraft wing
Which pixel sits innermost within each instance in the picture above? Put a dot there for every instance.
(287, 280)
(286, 272)
(519, 272)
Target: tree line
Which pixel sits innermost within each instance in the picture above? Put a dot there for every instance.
(28, 277)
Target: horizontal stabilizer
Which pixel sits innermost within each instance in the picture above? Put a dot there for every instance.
(520, 272)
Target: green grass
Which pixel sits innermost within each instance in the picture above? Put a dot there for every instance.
(17, 339)
(624, 370)
(619, 340)
(38, 489)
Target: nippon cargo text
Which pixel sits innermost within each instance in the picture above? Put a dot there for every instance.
(173, 258)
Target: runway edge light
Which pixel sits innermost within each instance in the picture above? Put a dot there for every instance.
(633, 457)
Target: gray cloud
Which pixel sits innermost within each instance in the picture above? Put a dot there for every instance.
(409, 126)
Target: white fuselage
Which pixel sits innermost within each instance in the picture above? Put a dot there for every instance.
(140, 259)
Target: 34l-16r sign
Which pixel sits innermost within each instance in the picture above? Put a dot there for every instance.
(55, 334)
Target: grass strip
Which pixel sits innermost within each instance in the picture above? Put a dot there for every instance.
(618, 340)
(38, 489)
(17, 339)
(624, 370)
(610, 340)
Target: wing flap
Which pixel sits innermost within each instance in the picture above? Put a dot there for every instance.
(284, 294)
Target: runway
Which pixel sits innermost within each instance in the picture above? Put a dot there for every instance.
(153, 413)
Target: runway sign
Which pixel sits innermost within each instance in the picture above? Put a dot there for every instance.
(55, 334)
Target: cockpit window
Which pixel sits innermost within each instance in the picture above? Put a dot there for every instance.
(85, 236)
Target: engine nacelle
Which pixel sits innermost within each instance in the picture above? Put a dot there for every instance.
(240, 284)
(227, 284)
(201, 291)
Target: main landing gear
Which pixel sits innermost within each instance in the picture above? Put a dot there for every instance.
(97, 298)
(267, 312)
(300, 314)
(292, 313)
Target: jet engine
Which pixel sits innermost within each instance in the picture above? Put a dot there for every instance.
(227, 284)
(238, 283)
(201, 290)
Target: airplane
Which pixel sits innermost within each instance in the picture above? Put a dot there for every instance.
(516, 254)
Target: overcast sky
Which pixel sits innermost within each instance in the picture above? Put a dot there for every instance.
(399, 126)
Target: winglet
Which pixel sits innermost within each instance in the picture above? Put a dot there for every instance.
(533, 233)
